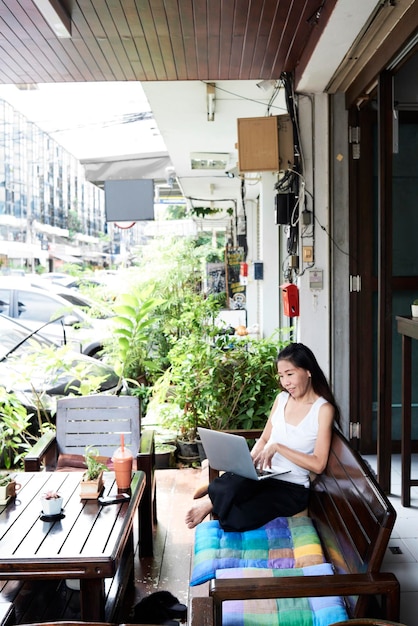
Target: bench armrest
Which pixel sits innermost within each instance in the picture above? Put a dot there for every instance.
(44, 452)
(147, 444)
(253, 433)
(384, 584)
(145, 461)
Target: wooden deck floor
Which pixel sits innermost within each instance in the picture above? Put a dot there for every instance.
(170, 567)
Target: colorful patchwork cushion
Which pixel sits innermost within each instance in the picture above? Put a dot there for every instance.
(283, 611)
(285, 542)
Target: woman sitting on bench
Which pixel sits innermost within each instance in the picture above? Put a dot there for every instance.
(297, 436)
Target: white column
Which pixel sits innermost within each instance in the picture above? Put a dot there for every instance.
(314, 321)
(270, 297)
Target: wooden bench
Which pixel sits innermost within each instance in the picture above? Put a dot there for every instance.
(354, 520)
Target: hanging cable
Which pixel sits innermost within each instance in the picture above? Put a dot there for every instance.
(242, 236)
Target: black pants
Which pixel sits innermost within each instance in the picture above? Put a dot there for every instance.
(242, 504)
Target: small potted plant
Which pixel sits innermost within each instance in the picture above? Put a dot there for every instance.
(8, 487)
(414, 308)
(91, 483)
(51, 503)
(5, 481)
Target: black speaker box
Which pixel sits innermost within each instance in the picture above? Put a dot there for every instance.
(285, 203)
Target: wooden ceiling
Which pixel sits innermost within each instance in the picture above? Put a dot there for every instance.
(160, 40)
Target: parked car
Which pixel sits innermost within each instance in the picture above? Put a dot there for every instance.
(32, 368)
(96, 309)
(84, 286)
(58, 318)
(71, 282)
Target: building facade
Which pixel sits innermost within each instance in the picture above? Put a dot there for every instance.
(49, 212)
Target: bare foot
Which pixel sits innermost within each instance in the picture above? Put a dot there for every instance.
(198, 513)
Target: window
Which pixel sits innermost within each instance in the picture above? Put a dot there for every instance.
(39, 307)
(5, 301)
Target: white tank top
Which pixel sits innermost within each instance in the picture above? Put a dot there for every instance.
(301, 437)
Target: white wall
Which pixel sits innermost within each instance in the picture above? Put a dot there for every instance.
(313, 325)
(269, 242)
(263, 296)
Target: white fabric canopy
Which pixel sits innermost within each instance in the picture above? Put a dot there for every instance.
(128, 167)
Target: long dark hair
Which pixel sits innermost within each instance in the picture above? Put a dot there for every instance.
(302, 356)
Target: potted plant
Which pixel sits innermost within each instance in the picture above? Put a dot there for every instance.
(8, 487)
(164, 455)
(222, 383)
(91, 483)
(414, 308)
(51, 503)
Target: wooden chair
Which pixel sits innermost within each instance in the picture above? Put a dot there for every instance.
(99, 420)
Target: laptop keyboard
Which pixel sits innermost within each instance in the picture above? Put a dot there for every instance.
(263, 472)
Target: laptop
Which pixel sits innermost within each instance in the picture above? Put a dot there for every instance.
(230, 453)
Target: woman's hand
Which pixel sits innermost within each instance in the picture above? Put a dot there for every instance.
(264, 457)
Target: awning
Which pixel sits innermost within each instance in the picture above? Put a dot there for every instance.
(127, 167)
(67, 258)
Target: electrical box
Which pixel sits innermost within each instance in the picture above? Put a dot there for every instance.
(316, 279)
(258, 270)
(307, 253)
(265, 144)
(290, 296)
(284, 203)
(258, 144)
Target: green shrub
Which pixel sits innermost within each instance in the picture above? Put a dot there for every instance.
(221, 384)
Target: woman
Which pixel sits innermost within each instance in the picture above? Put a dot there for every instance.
(297, 435)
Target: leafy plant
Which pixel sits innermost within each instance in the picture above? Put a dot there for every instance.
(15, 435)
(53, 361)
(165, 303)
(5, 479)
(94, 465)
(132, 347)
(224, 383)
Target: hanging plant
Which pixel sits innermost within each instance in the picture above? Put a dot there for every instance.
(202, 211)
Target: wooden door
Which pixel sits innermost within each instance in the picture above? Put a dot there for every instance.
(392, 274)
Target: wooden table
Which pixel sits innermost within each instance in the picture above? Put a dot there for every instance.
(91, 543)
(408, 328)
